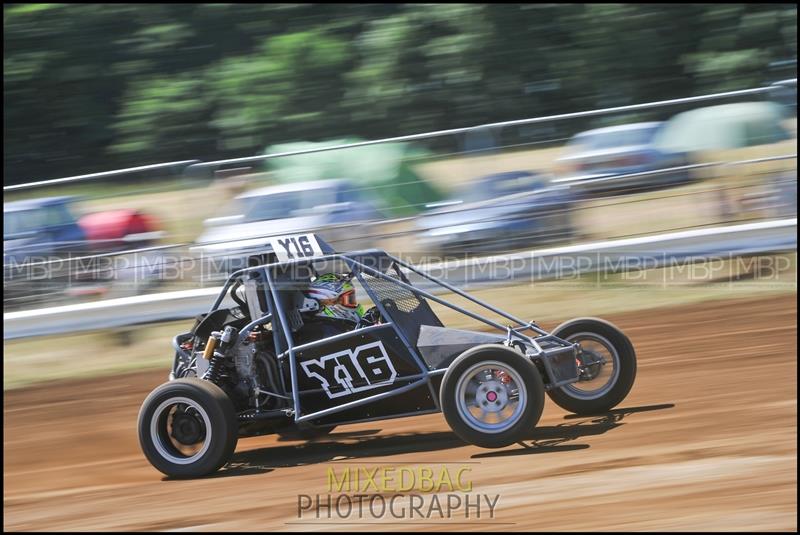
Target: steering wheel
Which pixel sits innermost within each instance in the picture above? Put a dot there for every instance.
(371, 316)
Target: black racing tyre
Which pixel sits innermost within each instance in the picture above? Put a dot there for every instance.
(492, 396)
(188, 428)
(305, 433)
(610, 367)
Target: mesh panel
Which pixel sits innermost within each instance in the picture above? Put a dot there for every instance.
(408, 310)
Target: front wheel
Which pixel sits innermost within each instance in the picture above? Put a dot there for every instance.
(606, 363)
(492, 396)
(188, 428)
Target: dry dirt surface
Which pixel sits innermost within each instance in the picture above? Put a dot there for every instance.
(707, 440)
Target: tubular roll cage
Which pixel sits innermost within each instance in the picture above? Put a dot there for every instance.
(359, 269)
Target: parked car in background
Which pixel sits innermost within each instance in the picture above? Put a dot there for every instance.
(498, 212)
(118, 229)
(37, 231)
(621, 159)
(47, 248)
(41, 228)
(135, 233)
(338, 206)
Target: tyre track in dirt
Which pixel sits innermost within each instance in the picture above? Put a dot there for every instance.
(707, 439)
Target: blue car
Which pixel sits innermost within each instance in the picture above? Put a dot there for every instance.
(621, 159)
(498, 212)
(37, 231)
(41, 227)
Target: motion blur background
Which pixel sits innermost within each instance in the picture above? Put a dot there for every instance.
(202, 89)
(91, 88)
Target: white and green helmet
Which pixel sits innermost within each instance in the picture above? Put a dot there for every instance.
(336, 296)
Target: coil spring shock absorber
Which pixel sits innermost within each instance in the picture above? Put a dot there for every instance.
(215, 357)
(213, 373)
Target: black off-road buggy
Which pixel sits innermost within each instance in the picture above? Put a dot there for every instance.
(258, 362)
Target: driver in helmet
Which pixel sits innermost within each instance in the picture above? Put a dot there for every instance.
(336, 296)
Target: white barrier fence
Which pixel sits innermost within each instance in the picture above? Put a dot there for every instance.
(647, 251)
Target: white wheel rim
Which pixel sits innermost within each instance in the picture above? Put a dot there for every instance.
(160, 437)
(482, 394)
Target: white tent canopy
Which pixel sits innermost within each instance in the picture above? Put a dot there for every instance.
(727, 126)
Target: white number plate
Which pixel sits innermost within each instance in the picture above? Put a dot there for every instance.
(294, 247)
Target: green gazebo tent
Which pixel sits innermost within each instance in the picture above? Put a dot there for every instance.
(384, 170)
(727, 126)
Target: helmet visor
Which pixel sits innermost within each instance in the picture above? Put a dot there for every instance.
(348, 299)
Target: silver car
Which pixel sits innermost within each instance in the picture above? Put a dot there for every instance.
(621, 159)
(338, 208)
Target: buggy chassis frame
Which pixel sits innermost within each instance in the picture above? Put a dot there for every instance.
(532, 344)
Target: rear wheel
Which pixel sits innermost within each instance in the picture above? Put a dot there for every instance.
(188, 428)
(607, 367)
(492, 396)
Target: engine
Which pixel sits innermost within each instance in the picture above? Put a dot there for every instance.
(256, 370)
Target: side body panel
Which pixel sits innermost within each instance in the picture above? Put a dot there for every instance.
(358, 366)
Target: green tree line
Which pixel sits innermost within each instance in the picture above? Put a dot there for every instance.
(90, 87)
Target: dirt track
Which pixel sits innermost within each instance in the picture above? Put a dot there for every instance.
(706, 440)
